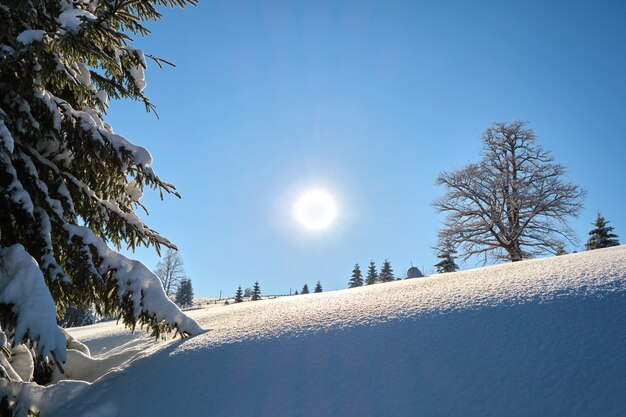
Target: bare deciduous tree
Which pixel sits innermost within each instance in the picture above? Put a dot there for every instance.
(514, 203)
(170, 271)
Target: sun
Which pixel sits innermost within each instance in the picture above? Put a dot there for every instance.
(315, 210)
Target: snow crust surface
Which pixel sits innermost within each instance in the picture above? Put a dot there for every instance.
(542, 337)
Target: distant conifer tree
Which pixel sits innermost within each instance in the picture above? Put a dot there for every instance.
(256, 291)
(296, 293)
(372, 275)
(305, 289)
(318, 287)
(601, 236)
(239, 295)
(560, 249)
(357, 277)
(184, 294)
(446, 252)
(386, 273)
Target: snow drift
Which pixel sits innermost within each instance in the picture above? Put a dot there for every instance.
(536, 338)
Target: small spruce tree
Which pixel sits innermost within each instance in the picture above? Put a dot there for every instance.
(602, 236)
(357, 277)
(296, 293)
(386, 273)
(184, 293)
(239, 295)
(318, 287)
(256, 291)
(305, 289)
(372, 275)
(560, 249)
(445, 252)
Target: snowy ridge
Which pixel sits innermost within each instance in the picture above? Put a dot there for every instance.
(541, 337)
(539, 280)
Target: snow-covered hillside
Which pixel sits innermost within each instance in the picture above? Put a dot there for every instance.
(536, 338)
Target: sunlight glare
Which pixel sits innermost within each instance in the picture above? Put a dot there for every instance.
(315, 210)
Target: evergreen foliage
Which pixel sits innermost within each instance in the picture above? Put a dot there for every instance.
(296, 293)
(239, 295)
(357, 277)
(70, 185)
(446, 252)
(318, 287)
(184, 293)
(256, 291)
(305, 289)
(372, 275)
(77, 316)
(601, 236)
(386, 272)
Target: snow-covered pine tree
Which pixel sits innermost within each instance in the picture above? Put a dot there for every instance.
(318, 287)
(445, 252)
(305, 289)
(70, 185)
(386, 272)
(372, 275)
(446, 264)
(256, 291)
(184, 293)
(602, 236)
(239, 295)
(357, 277)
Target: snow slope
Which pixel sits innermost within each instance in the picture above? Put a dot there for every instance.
(536, 338)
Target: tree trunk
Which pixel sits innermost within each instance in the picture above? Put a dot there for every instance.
(515, 252)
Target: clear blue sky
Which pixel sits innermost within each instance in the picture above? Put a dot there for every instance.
(369, 100)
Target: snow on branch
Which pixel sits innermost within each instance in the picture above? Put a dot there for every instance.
(5, 136)
(22, 286)
(137, 283)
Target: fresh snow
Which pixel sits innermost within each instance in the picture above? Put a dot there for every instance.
(103, 97)
(5, 136)
(138, 75)
(542, 337)
(22, 286)
(31, 35)
(136, 283)
(71, 19)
